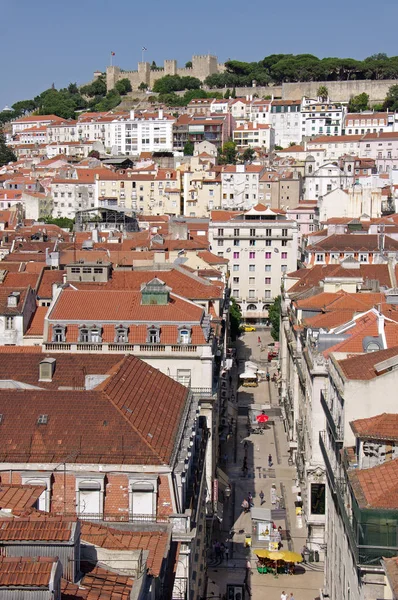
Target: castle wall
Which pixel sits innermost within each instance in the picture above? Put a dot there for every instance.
(339, 91)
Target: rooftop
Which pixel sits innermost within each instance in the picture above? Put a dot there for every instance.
(376, 487)
(32, 572)
(381, 427)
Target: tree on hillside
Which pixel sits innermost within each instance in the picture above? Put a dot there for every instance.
(111, 100)
(323, 93)
(248, 155)
(228, 154)
(358, 103)
(188, 65)
(391, 101)
(24, 106)
(143, 86)
(62, 222)
(189, 148)
(123, 86)
(274, 315)
(6, 154)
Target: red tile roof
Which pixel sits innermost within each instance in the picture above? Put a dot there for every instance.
(381, 427)
(132, 417)
(33, 572)
(212, 259)
(19, 497)
(116, 539)
(108, 305)
(353, 243)
(361, 366)
(36, 326)
(37, 527)
(376, 487)
(99, 584)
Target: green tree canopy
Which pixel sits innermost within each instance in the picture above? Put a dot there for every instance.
(62, 222)
(228, 154)
(235, 319)
(391, 101)
(274, 314)
(175, 83)
(358, 103)
(24, 106)
(6, 154)
(143, 86)
(123, 86)
(96, 88)
(188, 65)
(248, 155)
(189, 148)
(323, 93)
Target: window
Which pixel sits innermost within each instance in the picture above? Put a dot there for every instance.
(235, 268)
(95, 335)
(184, 376)
(44, 480)
(252, 242)
(143, 491)
(329, 187)
(84, 336)
(153, 335)
(363, 258)
(59, 333)
(251, 307)
(252, 280)
(220, 242)
(284, 255)
(252, 255)
(235, 279)
(318, 498)
(236, 232)
(252, 294)
(9, 322)
(220, 232)
(236, 242)
(268, 255)
(235, 293)
(319, 258)
(184, 336)
(236, 254)
(268, 232)
(252, 267)
(268, 281)
(121, 335)
(267, 294)
(89, 495)
(267, 268)
(252, 233)
(284, 232)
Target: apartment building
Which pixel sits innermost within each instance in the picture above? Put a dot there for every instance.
(321, 117)
(261, 245)
(33, 121)
(383, 148)
(240, 186)
(285, 118)
(65, 131)
(73, 191)
(143, 132)
(333, 148)
(254, 135)
(368, 122)
(202, 190)
(281, 189)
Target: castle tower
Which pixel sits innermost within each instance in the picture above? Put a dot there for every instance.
(203, 66)
(112, 76)
(170, 67)
(144, 72)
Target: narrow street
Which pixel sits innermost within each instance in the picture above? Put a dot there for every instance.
(237, 524)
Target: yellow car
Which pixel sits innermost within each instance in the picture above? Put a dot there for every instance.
(248, 328)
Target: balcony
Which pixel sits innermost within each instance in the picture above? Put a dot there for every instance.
(336, 430)
(136, 349)
(329, 457)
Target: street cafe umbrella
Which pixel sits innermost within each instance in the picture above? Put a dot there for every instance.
(271, 554)
(293, 557)
(262, 418)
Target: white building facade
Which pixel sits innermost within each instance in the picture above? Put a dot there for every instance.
(147, 132)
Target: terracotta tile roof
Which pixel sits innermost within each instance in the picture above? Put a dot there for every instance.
(329, 319)
(294, 148)
(49, 277)
(19, 280)
(133, 417)
(116, 539)
(312, 277)
(335, 139)
(37, 527)
(365, 326)
(391, 570)
(212, 259)
(34, 572)
(224, 215)
(376, 487)
(109, 305)
(381, 427)
(340, 301)
(19, 497)
(36, 326)
(361, 366)
(353, 243)
(99, 584)
(11, 310)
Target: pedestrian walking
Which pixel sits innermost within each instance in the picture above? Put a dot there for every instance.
(218, 550)
(291, 597)
(250, 499)
(259, 340)
(261, 494)
(222, 551)
(249, 570)
(283, 596)
(270, 460)
(226, 553)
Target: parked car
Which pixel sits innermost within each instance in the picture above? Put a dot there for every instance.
(245, 327)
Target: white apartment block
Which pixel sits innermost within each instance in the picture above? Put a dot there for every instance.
(240, 186)
(322, 180)
(146, 132)
(33, 121)
(285, 118)
(261, 245)
(254, 135)
(70, 194)
(331, 148)
(368, 122)
(383, 148)
(67, 131)
(321, 118)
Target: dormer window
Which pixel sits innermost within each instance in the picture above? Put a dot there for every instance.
(96, 335)
(184, 335)
(121, 335)
(153, 335)
(84, 335)
(59, 333)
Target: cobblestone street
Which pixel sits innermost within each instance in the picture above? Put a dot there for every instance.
(237, 524)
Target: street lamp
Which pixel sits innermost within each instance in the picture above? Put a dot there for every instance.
(227, 492)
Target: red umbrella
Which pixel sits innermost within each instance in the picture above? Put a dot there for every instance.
(262, 418)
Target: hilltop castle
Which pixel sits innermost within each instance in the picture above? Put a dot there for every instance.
(202, 67)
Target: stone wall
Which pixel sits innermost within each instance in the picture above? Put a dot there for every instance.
(339, 91)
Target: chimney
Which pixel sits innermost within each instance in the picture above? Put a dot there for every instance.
(254, 124)
(160, 113)
(131, 114)
(13, 299)
(47, 369)
(64, 278)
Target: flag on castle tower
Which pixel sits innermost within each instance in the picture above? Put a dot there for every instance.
(113, 54)
(143, 48)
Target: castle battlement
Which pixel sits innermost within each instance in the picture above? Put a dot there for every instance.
(202, 66)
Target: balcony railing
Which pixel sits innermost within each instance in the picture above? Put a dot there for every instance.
(329, 458)
(133, 348)
(336, 430)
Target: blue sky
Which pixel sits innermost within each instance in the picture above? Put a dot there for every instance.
(47, 42)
